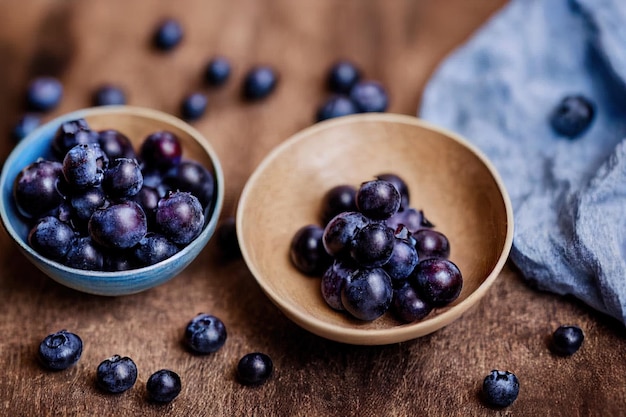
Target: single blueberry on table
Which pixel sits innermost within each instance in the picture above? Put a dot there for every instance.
(500, 388)
(25, 125)
(336, 106)
(205, 333)
(51, 238)
(369, 96)
(109, 95)
(254, 368)
(566, 340)
(163, 386)
(307, 252)
(60, 350)
(169, 33)
(217, 71)
(368, 295)
(337, 200)
(342, 76)
(194, 106)
(572, 116)
(259, 82)
(116, 374)
(44, 94)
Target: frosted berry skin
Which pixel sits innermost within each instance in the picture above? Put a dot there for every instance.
(307, 251)
(403, 258)
(180, 217)
(373, 245)
(500, 388)
(123, 178)
(116, 374)
(70, 134)
(36, 188)
(60, 350)
(438, 280)
(153, 248)
(84, 165)
(44, 94)
(84, 254)
(378, 199)
(118, 226)
(340, 232)
(163, 386)
(193, 177)
(205, 334)
(368, 295)
(254, 368)
(572, 116)
(51, 238)
(566, 340)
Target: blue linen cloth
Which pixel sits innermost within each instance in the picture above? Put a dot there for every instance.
(568, 195)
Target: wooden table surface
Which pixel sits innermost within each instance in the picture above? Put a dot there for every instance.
(397, 42)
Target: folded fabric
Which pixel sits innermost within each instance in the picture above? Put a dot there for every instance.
(568, 195)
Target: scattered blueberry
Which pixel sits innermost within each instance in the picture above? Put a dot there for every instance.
(44, 94)
(205, 334)
(25, 125)
(163, 386)
(217, 71)
(60, 350)
(369, 96)
(336, 106)
(572, 116)
(109, 95)
(342, 76)
(307, 251)
(116, 374)
(168, 34)
(500, 388)
(194, 106)
(259, 82)
(566, 340)
(254, 368)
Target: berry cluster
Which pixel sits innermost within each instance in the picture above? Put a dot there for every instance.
(97, 204)
(375, 252)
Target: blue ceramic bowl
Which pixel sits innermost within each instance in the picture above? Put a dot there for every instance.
(136, 123)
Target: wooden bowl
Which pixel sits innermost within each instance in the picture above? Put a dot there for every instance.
(136, 123)
(456, 186)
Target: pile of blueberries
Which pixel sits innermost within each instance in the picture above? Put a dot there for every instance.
(97, 204)
(203, 335)
(375, 252)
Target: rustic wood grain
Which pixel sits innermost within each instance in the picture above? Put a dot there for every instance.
(399, 42)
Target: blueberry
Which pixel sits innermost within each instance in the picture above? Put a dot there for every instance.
(378, 199)
(115, 144)
(169, 33)
(70, 134)
(217, 71)
(179, 217)
(342, 76)
(116, 374)
(408, 306)
(400, 185)
(334, 279)
(368, 295)
(226, 236)
(153, 248)
(123, 178)
(192, 177)
(25, 125)
(254, 368)
(60, 350)
(500, 388)
(307, 251)
(369, 96)
(403, 258)
(109, 95)
(163, 386)
(44, 94)
(161, 150)
(566, 340)
(51, 238)
(36, 188)
(84, 165)
(438, 280)
(340, 232)
(337, 200)
(413, 219)
(84, 254)
(572, 116)
(431, 244)
(205, 334)
(259, 82)
(194, 106)
(373, 245)
(84, 203)
(335, 106)
(118, 226)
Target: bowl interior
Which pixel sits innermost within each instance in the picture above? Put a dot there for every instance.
(136, 123)
(455, 185)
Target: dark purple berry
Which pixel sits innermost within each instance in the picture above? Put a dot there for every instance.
(194, 106)
(378, 199)
(161, 150)
(118, 226)
(84, 203)
(572, 116)
(259, 82)
(84, 254)
(192, 177)
(169, 33)
(403, 258)
(500, 388)
(115, 144)
(340, 232)
(60, 350)
(84, 165)
(109, 95)
(307, 251)
(179, 217)
(25, 126)
(373, 245)
(205, 334)
(254, 368)
(334, 279)
(163, 386)
(217, 71)
(335, 106)
(51, 238)
(369, 96)
(368, 295)
(118, 261)
(123, 178)
(566, 340)
(342, 76)
(413, 219)
(438, 280)
(408, 306)
(116, 374)
(70, 134)
(337, 200)
(44, 94)
(148, 198)
(36, 188)
(153, 248)
(431, 244)
(400, 185)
